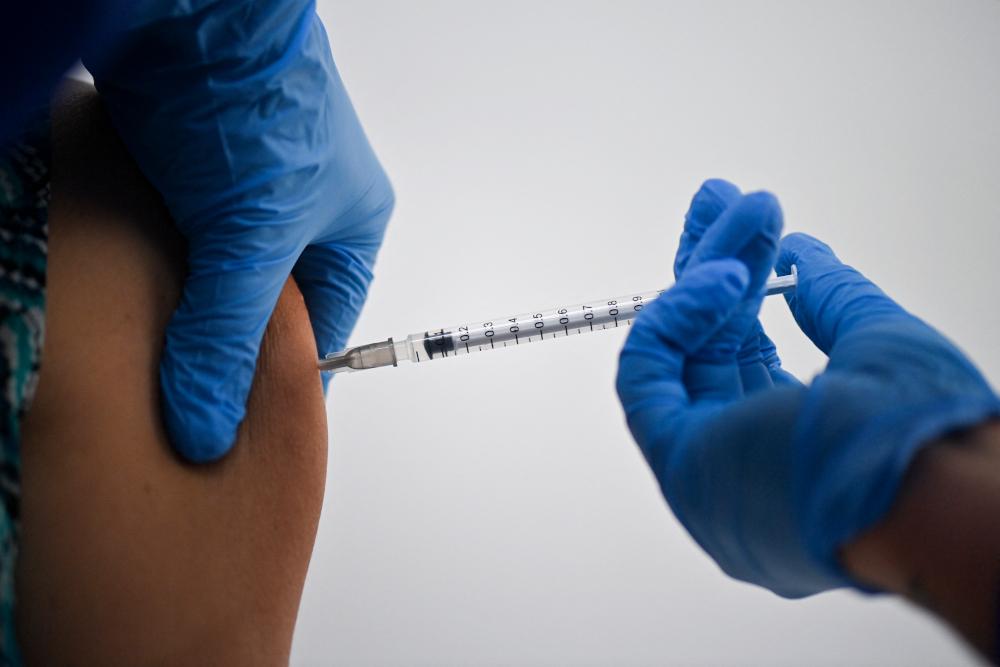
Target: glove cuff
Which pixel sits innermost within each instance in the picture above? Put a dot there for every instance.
(842, 491)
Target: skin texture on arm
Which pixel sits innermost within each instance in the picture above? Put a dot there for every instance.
(939, 545)
(128, 555)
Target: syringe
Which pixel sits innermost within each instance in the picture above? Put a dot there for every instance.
(480, 336)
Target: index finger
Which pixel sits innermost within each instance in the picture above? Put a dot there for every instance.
(651, 366)
(713, 197)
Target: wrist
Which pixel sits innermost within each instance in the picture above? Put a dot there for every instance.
(939, 544)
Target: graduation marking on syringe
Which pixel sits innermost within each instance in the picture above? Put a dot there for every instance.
(454, 341)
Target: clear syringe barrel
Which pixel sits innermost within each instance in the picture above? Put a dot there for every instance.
(480, 336)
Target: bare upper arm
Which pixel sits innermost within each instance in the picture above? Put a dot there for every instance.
(127, 554)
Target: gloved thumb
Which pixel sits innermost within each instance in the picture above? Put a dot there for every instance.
(334, 279)
(831, 298)
(214, 337)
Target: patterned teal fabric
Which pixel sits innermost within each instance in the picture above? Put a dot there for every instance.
(24, 207)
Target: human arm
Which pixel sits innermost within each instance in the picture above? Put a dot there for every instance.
(128, 555)
(939, 544)
(236, 113)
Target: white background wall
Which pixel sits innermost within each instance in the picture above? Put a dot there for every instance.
(492, 509)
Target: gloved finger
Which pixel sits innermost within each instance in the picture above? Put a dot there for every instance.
(767, 349)
(712, 374)
(832, 298)
(760, 253)
(711, 200)
(750, 352)
(765, 371)
(755, 378)
(652, 363)
(213, 340)
(714, 197)
(749, 231)
(753, 372)
(771, 361)
(334, 280)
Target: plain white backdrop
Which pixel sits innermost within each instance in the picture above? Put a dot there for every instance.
(492, 509)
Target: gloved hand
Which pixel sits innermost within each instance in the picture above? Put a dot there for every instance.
(750, 228)
(235, 111)
(772, 480)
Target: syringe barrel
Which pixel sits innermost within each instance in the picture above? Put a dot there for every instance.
(509, 331)
(527, 328)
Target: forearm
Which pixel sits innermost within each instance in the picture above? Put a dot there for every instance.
(939, 545)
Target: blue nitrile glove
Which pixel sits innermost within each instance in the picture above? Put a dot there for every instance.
(759, 365)
(236, 113)
(772, 483)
